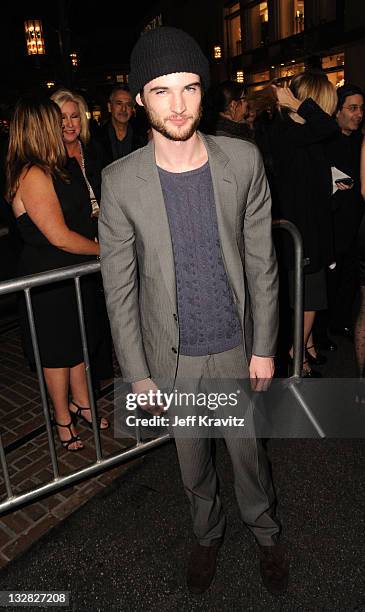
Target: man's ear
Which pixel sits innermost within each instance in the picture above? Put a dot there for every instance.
(139, 100)
(109, 107)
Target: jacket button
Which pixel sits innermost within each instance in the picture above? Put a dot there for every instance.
(174, 350)
(175, 316)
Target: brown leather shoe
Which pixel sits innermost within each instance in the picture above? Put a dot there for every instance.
(274, 568)
(201, 567)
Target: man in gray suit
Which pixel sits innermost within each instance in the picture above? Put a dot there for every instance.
(190, 279)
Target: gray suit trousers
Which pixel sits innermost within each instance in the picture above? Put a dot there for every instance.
(252, 480)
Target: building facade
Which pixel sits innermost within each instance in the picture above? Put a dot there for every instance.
(277, 39)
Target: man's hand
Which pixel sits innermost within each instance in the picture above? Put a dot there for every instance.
(261, 372)
(147, 387)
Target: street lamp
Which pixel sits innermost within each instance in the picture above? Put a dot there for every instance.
(34, 37)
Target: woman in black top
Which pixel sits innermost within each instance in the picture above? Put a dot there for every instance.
(89, 155)
(52, 210)
(303, 183)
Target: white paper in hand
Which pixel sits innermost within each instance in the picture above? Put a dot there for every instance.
(337, 174)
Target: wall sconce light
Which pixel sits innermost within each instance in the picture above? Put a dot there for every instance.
(74, 60)
(239, 76)
(34, 37)
(50, 84)
(217, 52)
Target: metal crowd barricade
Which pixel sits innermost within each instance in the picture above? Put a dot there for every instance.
(101, 463)
(295, 380)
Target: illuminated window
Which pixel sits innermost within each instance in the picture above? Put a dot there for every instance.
(259, 77)
(257, 23)
(333, 65)
(291, 17)
(299, 16)
(290, 70)
(337, 78)
(332, 61)
(264, 20)
(235, 8)
(233, 30)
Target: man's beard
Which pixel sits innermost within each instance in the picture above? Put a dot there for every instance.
(179, 134)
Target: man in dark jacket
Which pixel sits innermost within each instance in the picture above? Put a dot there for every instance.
(117, 136)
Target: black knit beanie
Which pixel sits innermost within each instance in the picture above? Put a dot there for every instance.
(165, 50)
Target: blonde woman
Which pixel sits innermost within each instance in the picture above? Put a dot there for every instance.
(304, 186)
(51, 209)
(88, 154)
(79, 145)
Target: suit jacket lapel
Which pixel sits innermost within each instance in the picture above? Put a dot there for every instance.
(154, 206)
(225, 194)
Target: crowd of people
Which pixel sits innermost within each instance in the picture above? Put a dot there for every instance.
(179, 306)
(310, 138)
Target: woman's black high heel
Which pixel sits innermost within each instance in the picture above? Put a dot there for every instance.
(71, 440)
(306, 373)
(316, 361)
(309, 373)
(78, 415)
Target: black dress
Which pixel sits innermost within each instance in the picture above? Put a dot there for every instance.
(55, 306)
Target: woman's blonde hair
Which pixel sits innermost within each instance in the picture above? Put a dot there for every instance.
(315, 85)
(61, 96)
(35, 139)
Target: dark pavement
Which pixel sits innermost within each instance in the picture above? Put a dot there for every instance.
(126, 549)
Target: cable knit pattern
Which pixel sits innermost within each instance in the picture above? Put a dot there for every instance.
(208, 318)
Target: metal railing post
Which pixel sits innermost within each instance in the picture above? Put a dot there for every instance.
(25, 284)
(298, 293)
(42, 386)
(298, 321)
(88, 369)
(4, 466)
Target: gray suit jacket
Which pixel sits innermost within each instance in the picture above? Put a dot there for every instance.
(137, 262)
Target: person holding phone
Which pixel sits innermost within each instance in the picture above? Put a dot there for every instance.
(303, 184)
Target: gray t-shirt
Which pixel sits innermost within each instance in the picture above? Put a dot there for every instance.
(208, 318)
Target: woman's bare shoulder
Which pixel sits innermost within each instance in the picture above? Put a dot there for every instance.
(35, 175)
